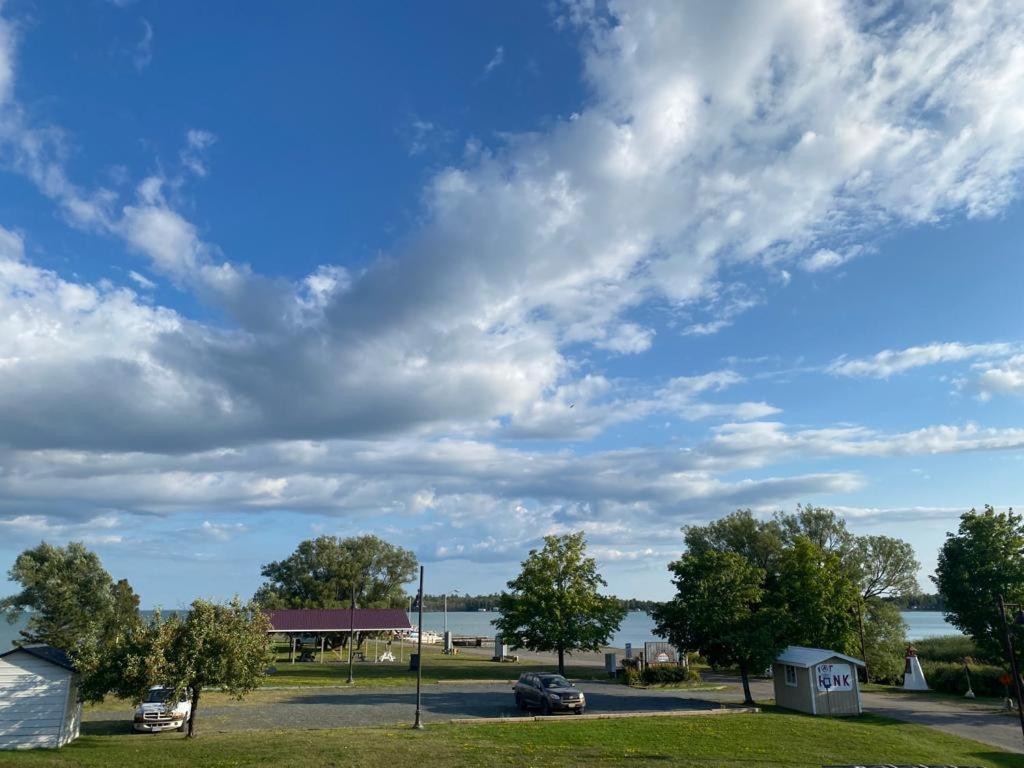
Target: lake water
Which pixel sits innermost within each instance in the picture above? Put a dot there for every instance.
(637, 627)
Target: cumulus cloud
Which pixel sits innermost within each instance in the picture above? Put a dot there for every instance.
(705, 146)
(1002, 378)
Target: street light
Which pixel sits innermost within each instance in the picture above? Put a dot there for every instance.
(1019, 621)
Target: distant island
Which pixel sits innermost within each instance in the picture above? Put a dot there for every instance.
(918, 602)
(490, 603)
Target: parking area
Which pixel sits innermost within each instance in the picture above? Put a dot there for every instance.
(313, 708)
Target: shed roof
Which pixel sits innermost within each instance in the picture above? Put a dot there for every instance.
(46, 653)
(337, 619)
(798, 656)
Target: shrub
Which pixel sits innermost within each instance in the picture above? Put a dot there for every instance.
(660, 675)
(949, 677)
(952, 648)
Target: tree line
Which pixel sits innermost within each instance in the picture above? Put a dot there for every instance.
(745, 588)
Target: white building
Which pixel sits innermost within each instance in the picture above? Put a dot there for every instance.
(39, 704)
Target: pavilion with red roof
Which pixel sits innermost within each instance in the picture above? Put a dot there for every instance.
(295, 622)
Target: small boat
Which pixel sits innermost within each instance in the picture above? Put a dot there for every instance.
(429, 638)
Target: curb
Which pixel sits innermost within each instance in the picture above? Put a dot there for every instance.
(607, 716)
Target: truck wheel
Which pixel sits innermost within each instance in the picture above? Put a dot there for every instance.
(545, 708)
(183, 726)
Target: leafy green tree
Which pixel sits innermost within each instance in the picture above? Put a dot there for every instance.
(328, 572)
(121, 657)
(982, 560)
(885, 567)
(554, 603)
(821, 525)
(719, 610)
(68, 592)
(214, 646)
(885, 640)
(816, 595)
(758, 541)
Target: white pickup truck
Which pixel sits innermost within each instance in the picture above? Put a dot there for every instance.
(157, 713)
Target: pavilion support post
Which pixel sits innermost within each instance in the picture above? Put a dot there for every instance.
(291, 649)
(321, 649)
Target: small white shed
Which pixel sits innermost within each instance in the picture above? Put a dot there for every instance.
(39, 704)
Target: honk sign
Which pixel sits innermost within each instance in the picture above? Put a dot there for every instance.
(834, 677)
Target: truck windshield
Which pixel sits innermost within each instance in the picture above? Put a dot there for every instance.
(159, 696)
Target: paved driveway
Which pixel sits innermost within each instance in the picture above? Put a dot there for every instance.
(341, 707)
(981, 722)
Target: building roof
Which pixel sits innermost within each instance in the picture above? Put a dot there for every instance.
(798, 656)
(46, 653)
(337, 619)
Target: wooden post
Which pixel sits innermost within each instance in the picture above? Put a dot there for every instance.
(291, 649)
(321, 649)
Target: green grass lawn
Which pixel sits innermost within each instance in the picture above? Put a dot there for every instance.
(465, 666)
(752, 741)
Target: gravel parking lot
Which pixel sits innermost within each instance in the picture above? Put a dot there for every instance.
(313, 708)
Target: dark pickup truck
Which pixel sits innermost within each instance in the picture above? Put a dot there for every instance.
(548, 693)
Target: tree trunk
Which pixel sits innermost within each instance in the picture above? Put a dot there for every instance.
(192, 715)
(561, 661)
(863, 644)
(747, 698)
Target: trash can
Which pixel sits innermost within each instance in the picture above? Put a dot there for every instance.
(609, 665)
(414, 662)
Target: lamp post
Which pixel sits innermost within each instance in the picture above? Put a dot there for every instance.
(1019, 621)
(418, 725)
(351, 632)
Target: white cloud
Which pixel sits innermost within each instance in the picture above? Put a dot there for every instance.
(822, 260)
(142, 56)
(496, 60)
(196, 143)
(141, 280)
(1002, 378)
(893, 361)
(705, 145)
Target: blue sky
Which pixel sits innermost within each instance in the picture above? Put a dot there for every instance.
(465, 276)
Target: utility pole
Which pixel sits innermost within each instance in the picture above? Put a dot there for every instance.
(1013, 662)
(418, 725)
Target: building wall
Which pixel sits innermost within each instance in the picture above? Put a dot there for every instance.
(72, 714)
(805, 697)
(792, 697)
(33, 702)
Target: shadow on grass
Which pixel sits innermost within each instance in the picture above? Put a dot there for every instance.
(1001, 758)
(119, 727)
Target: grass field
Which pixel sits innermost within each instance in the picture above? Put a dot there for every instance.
(771, 739)
(436, 666)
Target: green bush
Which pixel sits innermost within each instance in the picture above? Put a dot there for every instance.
(660, 675)
(949, 677)
(951, 648)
